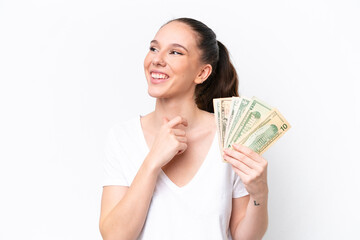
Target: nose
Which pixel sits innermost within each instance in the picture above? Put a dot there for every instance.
(158, 60)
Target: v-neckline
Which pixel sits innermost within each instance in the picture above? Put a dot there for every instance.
(163, 175)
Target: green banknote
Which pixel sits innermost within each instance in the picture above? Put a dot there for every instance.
(216, 103)
(237, 108)
(262, 136)
(225, 104)
(250, 122)
(256, 111)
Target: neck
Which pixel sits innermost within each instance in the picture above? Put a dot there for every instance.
(172, 107)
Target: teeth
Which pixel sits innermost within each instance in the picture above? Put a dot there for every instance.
(159, 75)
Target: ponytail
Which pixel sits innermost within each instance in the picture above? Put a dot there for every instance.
(223, 82)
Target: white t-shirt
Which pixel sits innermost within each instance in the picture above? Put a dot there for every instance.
(199, 210)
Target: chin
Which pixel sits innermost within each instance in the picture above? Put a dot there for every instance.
(160, 90)
(157, 94)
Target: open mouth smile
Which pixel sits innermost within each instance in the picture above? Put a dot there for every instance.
(157, 77)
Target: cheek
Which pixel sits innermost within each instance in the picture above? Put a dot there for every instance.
(147, 60)
(189, 74)
(183, 69)
(147, 63)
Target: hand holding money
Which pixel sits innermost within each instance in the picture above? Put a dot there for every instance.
(249, 122)
(246, 129)
(251, 168)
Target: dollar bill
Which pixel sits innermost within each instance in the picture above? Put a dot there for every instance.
(225, 104)
(255, 113)
(250, 122)
(216, 103)
(234, 107)
(266, 133)
(237, 108)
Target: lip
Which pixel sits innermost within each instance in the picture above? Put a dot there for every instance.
(157, 81)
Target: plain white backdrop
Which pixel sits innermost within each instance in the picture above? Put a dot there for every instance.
(69, 70)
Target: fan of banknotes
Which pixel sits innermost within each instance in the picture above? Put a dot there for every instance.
(248, 121)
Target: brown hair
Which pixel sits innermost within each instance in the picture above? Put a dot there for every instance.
(223, 80)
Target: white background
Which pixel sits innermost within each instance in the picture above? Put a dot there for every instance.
(69, 70)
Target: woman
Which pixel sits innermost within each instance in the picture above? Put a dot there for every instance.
(164, 175)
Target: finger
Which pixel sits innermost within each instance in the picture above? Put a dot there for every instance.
(241, 166)
(243, 158)
(181, 139)
(242, 175)
(176, 121)
(248, 152)
(178, 132)
(180, 152)
(183, 147)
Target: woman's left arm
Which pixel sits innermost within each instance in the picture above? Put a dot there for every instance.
(249, 216)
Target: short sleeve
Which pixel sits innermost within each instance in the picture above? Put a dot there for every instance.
(114, 165)
(239, 189)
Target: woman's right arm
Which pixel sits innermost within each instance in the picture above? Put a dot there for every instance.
(124, 209)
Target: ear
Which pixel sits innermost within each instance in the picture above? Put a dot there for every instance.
(203, 74)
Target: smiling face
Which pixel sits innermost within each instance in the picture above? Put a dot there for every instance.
(172, 66)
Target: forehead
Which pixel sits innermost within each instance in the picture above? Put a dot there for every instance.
(176, 32)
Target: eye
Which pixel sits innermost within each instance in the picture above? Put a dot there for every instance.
(176, 52)
(152, 49)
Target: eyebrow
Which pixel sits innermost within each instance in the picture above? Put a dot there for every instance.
(173, 44)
